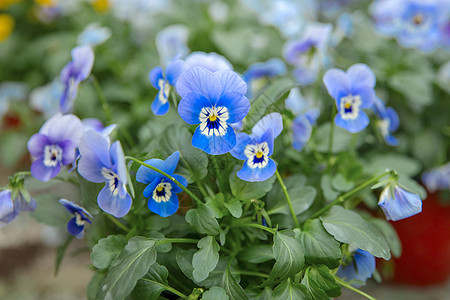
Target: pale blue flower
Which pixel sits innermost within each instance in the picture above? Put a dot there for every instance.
(94, 35)
(437, 179)
(398, 204)
(211, 61)
(171, 43)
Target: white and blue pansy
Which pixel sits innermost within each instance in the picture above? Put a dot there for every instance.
(388, 121)
(214, 101)
(255, 149)
(164, 85)
(12, 202)
(360, 266)
(398, 203)
(100, 162)
(161, 191)
(353, 91)
(81, 216)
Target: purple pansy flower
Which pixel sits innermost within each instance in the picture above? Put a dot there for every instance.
(437, 179)
(214, 101)
(257, 75)
(76, 225)
(12, 202)
(164, 84)
(388, 121)
(101, 162)
(352, 90)
(73, 74)
(398, 204)
(361, 267)
(54, 145)
(255, 149)
(160, 190)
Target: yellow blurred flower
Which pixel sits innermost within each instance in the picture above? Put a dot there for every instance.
(44, 2)
(100, 5)
(4, 4)
(6, 26)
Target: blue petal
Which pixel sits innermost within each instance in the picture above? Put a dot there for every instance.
(211, 61)
(336, 81)
(190, 107)
(301, 132)
(360, 76)
(148, 191)
(63, 127)
(268, 138)
(231, 82)
(403, 205)
(394, 121)
(356, 125)
(6, 203)
(68, 152)
(36, 144)
(42, 172)
(365, 267)
(201, 81)
(83, 60)
(74, 229)
(391, 140)
(180, 179)
(213, 144)
(159, 108)
(94, 150)
(312, 114)
(118, 160)
(174, 70)
(113, 204)
(273, 121)
(367, 95)
(73, 208)
(164, 209)
(147, 175)
(242, 140)
(155, 75)
(237, 105)
(257, 174)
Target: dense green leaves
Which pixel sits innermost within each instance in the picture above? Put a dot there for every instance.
(257, 254)
(289, 290)
(244, 190)
(301, 197)
(234, 206)
(232, 287)
(153, 284)
(132, 263)
(390, 235)
(321, 283)
(202, 220)
(106, 250)
(320, 246)
(215, 293)
(206, 258)
(289, 255)
(349, 227)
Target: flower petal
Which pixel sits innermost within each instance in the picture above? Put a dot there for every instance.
(75, 229)
(301, 132)
(63, 127)
(273, 121)
(148, 191)
(403, 205)
(201, 81)
(180, 179)
(155, 75)
(356, 125)
(83, 60)
(164, 209)
(42, 172)
(213, 144)
(257, 174)
(118, 160)
(36, 144)
(231, 82)
(238, 106)
(190, 107)
(6, 203)
(147, 175)
(159, 108)
(394, 121)
(94, 149)
(242, 140)
(336, 81)
(361, 75)
(113, 204)
(174, 70)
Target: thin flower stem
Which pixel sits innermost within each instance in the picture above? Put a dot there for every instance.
(251, 273)
(345, 284)
(166, 287)
(115, 221)
(288, 199)
(331, 136)
(166, 175)
(23, 173)
(347, 195)
(268, 229)
(102, 99)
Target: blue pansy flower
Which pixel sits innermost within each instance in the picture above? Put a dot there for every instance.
(257, 75)
(437, 179)
(45, 99)
(94, 35)
(352, 92)
(213, 100)
(398, 203)
(361, 267)
(12, 202)
(302, 128)
(171, 43)
(100, 162)
(164, 84)
(73, 74)
(161, 191)
(255, 149)
(388, 121)
(54, 145)
(211, 61)
(76, 225)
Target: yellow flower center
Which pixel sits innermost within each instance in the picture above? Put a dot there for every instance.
(6, 26)
(101, 5)
(418, 19)
(159, 188)
(347, 105)
(212, 118)
(44, 2)
(259, 154)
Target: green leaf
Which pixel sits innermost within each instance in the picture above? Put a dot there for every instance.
(349, 227)
(93, 286)
(156, 223)
(61, 251)
(232, 287)
(234, 206)
(257, 254)
(265, 101)
(301, 197)
(162, 248)
(400, 163)
(326, 184)
(244, 190)
(206, 258)
(152, 284)
(320, 247)
(50, 212)
(340, 183)
(201, 218)
(321, 283)
(132, 263)
(89, 193)
(289, 290)
(390, 235)
(106, 250)
(289, 255)
(416, 88)
(215, 293)
(216, 204)
(341, 138)
(193, 163)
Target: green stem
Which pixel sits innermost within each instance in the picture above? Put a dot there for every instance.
(166, 287)
(23, 173)
(288, 199)
(345, 284)
(251, 273)
(271, 230)
(331, 136)
(115, 221)
(177, 240)
(166, 175)
(347, 195)
(102, 99)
